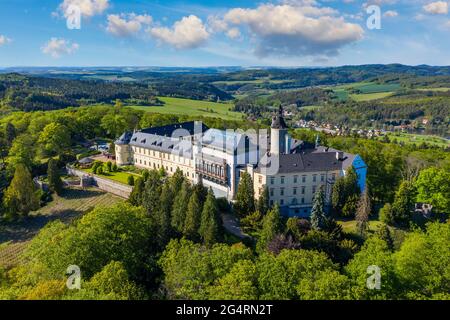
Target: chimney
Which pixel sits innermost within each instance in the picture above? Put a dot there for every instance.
(339, 155)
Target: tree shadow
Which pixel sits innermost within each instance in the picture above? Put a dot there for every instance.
(26, 228)
(80, 194)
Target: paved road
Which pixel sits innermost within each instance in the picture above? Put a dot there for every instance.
(231, 224)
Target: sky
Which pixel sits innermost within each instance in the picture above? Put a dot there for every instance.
(200, 33)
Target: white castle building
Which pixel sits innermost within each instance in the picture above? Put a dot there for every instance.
(292, 170)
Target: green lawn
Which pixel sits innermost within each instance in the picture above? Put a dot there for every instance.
(193, 108)
(310, 108)
(349, 226)
(368, 91)
(434, 89)
(120, 176)
(256, 81)
(370, 96)
(419, 139)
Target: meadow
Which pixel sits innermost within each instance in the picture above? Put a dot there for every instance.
(366, 91)
(418, 139)
(193, 108)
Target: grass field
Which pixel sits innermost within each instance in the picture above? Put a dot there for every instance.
(418, 139)
(15, 236)
(434, 89)
(120, 176)
(370, 96)
(350, 225)
(368, 91)
(193, 108)
(256, 81)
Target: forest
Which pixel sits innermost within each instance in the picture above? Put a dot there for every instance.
(169, 240)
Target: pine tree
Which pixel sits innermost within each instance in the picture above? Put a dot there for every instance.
(385, 234)
(109, 166)
(21, 197)
(176, 181)
(245, 197)
(10, 133)
(54, 178)
(338, 196)
(137, 194)
(403, 205)
(210, 220)
(152, 194)
(202, 192)
(271, 228)
(264, 202)
(130, 180)
(180, 207)
(163, 216)
(351, 183)
(363, 212)
(318, 216)
(193, 217)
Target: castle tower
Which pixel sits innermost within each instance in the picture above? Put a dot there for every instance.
(278, 134)
(123, 150)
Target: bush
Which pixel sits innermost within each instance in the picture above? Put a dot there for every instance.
(131, 180)
(386, 214)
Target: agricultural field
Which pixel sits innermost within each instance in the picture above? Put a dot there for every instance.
(418, 139)
(434, 89)
(370, 96)
(256, 81)
(366, 91)
(193, 108)
(74, 203)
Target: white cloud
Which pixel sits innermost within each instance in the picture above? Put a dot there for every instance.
(56, 47)
(234, 33)
(125, 25)
(187, 33)
(88, 8)
(4, 40)
(390, 14)
(295, 30)
(438, 7)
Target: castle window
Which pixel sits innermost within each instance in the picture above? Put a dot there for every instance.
(303, 190)
(282, 202)
(314, 189)
(322, 178)
(282, 192)
(282, 180)
(295, 191)
(272, 192)
(260, 179)
(272, 180)
(295, 179)
(314, 177)
(303, 179)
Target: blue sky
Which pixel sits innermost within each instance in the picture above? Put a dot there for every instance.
(213, 33)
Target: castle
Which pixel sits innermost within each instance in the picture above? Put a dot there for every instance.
(292, 170)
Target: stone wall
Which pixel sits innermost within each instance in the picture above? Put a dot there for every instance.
(107, 185)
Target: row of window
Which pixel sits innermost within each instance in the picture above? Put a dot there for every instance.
(295, 191)
(293, 202)
(163, 155)
(296, 179)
